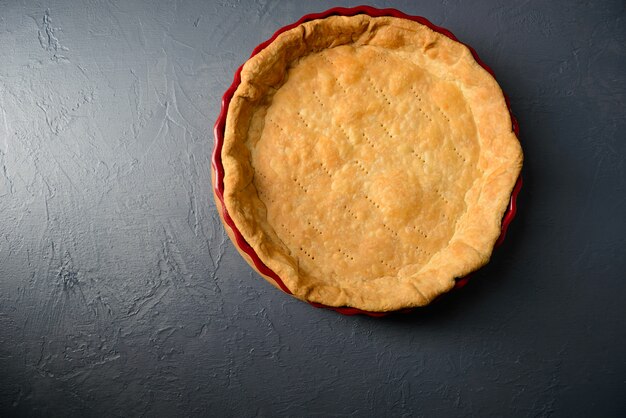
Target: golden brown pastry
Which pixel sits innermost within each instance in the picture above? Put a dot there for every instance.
(368, 161)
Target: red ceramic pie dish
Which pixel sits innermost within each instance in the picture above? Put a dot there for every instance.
(218, 169)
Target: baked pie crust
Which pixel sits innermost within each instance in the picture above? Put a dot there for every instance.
(368, 161)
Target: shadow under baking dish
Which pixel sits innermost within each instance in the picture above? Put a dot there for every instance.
(220, 124)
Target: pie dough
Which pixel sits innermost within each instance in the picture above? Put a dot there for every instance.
(368, 161)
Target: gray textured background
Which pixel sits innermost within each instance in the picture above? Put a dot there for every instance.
(121, 296)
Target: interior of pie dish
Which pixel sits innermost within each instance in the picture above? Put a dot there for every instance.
(368, 161)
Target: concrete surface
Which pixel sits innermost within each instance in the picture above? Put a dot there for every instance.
(121, 296)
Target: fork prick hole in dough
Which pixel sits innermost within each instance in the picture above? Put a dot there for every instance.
(379, 91)
(345, 254)
(369, 141)
(304, 189)
(350, 212)
(321, 103)
(316, 229)
(422, 159)
(291, 234)
(277, 125)
(332, 64)
(422, 233)
(309, 255)
(442, 196)
(383, 262)
(461, 156)
(394, 233)
(325, 170)
(386, 131)
(361, 167)
(419, 99)
(306, 124)
(376, 205)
